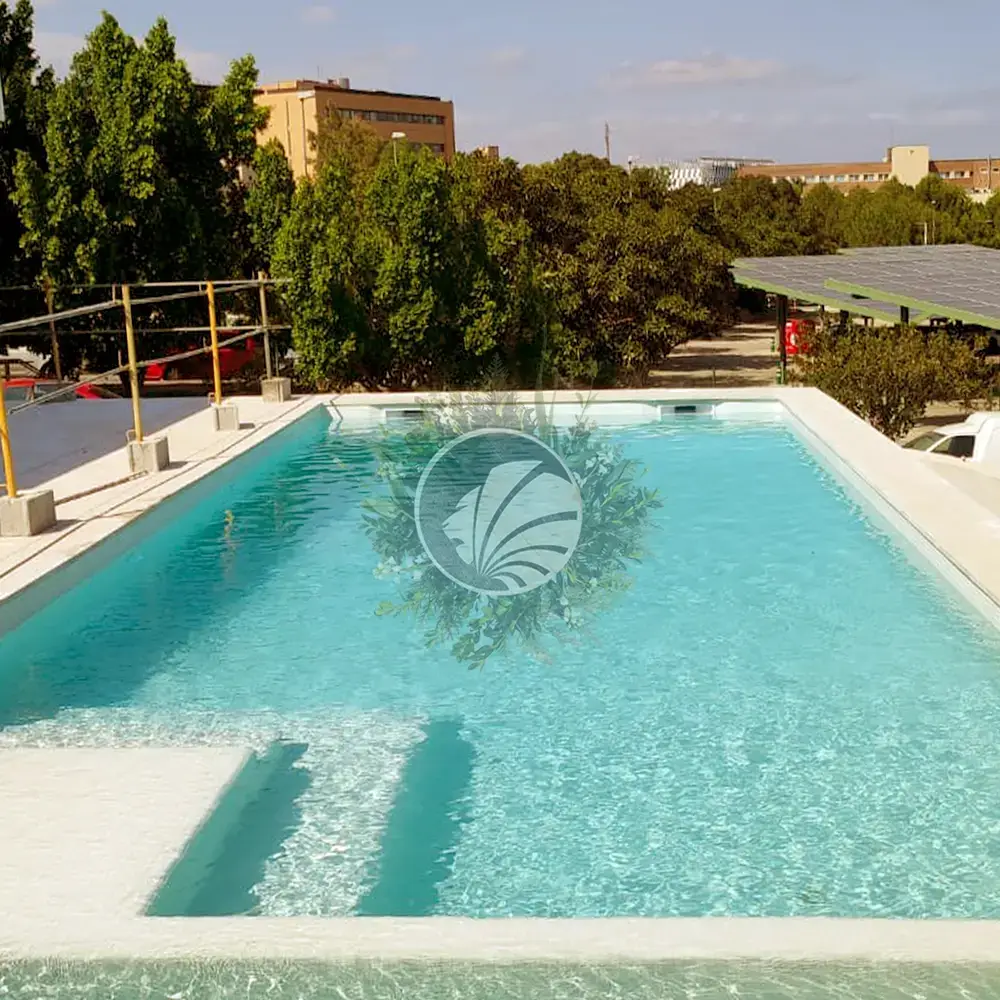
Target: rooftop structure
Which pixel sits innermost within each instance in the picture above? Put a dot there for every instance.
(710, 171)
(906, 164)
(298, 107)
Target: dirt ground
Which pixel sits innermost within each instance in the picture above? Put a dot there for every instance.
(743, 357)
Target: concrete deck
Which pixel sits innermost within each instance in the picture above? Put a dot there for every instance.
(87, 833)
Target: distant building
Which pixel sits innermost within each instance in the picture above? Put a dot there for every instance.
(709, 171)
(907, 164)
(488, 152)
(299, 106)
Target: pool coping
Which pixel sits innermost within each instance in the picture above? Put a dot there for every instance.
(959, 537)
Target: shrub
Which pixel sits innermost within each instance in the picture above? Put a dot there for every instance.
(888, 375)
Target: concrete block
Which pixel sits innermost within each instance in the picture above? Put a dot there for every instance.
(150, 455)
(27, 514)
(276, 390)
(226, 417)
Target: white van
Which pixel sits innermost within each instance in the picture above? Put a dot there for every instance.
(976, 439)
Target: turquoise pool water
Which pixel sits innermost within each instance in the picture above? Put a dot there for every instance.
(781, 717)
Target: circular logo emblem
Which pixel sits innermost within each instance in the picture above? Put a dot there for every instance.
(498, 512)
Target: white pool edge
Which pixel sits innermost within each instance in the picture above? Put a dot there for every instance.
(959, 538)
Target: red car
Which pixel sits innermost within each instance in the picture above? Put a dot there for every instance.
(232, 360)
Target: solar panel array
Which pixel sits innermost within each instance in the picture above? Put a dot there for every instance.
(805, 278)
(956, 280)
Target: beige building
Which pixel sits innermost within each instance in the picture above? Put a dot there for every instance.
(907, 164)
(298, 106)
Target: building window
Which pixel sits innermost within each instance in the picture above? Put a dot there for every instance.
(405, 117)
(841, 178)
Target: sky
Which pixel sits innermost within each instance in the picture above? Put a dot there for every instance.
(787, 80)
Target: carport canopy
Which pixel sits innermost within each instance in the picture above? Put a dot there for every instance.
(912, 283)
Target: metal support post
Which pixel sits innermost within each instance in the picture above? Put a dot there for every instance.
(8, 457)
(133, 363)
(264, 324)
(56, 360)
(216, 366)
(782, 346)
(904, 315)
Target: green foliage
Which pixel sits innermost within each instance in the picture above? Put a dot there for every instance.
(889, 375)
(26, 93)
(630, 275)
(348, 140)
(269, 200)
(616, 516)
(397, 279)
(141, 179)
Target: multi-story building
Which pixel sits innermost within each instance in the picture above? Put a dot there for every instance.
(710, 171)
(907, 164)
(298, 107)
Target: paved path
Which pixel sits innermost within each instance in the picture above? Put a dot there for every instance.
(742, 357)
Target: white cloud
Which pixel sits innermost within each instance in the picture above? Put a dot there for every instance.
(710, 70)
(206, 67)
(56, 49)
(507, 58)
(319, 14)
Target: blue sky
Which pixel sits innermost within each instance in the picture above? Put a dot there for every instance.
(778, 79)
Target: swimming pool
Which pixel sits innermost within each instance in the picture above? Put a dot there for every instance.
(781, 717)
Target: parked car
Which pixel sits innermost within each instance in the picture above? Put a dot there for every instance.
(232, 360)
(24, 390)
(975, 439)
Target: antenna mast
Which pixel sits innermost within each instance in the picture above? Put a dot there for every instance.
(607, 142)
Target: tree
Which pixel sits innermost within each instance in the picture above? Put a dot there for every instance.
(269, 200)
(315, 251)
(141, 180)
(761, 218)
(631, 276)
(26, 93)
(889, 375)
(341, 137)
(822, 214)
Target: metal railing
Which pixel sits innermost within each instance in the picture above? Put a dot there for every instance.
(133, 365)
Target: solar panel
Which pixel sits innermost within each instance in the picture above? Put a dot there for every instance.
(805, 278)
(957, 281)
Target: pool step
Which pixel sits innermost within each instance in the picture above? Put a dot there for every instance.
(424, 826)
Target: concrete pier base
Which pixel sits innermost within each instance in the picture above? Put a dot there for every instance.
(150, 455)
(226, 417)
(276, 390)
(27, 514)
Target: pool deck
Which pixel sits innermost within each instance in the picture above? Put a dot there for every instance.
(87, 834)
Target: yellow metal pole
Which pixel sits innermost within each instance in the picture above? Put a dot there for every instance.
(56, 360)
(133, 364)
(264, 324)
(216, 368)
(8, 458)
